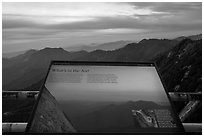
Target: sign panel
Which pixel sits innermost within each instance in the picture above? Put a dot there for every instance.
(97, 98)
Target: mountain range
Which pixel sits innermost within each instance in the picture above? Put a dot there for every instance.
(13, 54)
(27, 71)
(104, 46)
(89, 47)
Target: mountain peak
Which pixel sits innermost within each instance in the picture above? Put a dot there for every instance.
(152, 40)
(108, 46)
(52, 50)
(31, 51)
(49, 48)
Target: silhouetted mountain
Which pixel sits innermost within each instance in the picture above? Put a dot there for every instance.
(6, 62)
(139, 52)
(94, 46)
(13, 54)
(18, 59)
(44, 56)
(28, 69)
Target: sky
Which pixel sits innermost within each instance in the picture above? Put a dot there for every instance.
(48, 24)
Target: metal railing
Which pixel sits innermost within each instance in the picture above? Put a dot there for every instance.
(194, 102)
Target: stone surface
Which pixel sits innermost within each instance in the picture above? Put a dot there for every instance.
(49, 118)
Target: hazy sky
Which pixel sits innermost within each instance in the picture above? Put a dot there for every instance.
(38, 25)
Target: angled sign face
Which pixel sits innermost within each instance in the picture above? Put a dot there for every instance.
(103, 98)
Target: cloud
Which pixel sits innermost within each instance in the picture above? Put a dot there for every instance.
(25, 22)
(21, 31)
(167, 23)
(79, 16)
(35, 14)
(10, 23)
(76, 9)
(143, 22)
(170, 7)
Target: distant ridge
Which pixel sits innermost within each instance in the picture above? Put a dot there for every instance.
(27, 70)
(139, 52)
(13, 54)
(109, 46)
